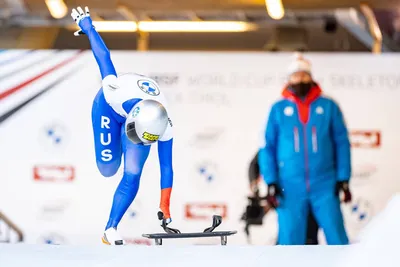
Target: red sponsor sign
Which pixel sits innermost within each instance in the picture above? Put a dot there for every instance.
(53, 173)
(205, 211)
(365, 139)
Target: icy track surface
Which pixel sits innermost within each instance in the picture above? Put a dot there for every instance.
(21, 255)
(378, 247)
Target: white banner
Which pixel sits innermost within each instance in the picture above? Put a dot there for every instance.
(52, 191)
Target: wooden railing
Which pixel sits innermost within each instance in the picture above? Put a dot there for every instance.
(10, 227)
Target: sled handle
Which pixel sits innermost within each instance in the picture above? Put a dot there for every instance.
(217, 220)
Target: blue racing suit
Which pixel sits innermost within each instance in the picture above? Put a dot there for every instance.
(306, 151)
(111, 141)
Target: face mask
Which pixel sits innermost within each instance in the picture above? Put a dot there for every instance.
(301, 89)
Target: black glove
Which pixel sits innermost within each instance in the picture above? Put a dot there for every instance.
(273, 192)
(343, 187)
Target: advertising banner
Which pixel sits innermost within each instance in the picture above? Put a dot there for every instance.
(51, 188)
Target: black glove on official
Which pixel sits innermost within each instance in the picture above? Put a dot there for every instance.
(273, 192)
(343, 187)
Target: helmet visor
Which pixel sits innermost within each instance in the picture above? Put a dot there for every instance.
(132, 134)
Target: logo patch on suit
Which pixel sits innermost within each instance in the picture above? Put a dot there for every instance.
(148, 87)
(319, 110)
(135, 112)
(288, 111)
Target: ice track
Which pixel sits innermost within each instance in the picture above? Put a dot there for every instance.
(378, 247)
(178, 256)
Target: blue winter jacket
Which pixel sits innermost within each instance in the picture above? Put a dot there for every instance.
(306, 142)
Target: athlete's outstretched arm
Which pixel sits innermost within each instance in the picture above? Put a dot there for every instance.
(167, 174)
(99, 48)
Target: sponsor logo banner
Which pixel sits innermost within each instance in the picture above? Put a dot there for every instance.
(54, 173)
(205, 211)
(52, 239)
(207, 137)
(363, 172)
(138, 241)
(165, 79)
(365, 138)
(53, 209)
(54, 137)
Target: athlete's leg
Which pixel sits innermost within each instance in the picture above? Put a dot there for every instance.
(135, 157)
(107, 136)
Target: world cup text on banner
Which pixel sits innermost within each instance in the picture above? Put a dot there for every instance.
(165, 79)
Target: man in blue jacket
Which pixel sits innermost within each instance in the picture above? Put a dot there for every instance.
(305, 159)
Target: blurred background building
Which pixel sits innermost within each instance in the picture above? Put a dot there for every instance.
(255, 25)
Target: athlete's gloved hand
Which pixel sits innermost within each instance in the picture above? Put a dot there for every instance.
(273, 192)
(82, 18)
(161, 216)
(344, 187)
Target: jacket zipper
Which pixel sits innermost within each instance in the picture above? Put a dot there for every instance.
(314, 139)
(296, 140)
(306, 156)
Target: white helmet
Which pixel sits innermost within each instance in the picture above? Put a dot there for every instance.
(146, 122)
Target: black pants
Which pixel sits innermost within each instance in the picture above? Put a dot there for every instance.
(312, 230)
